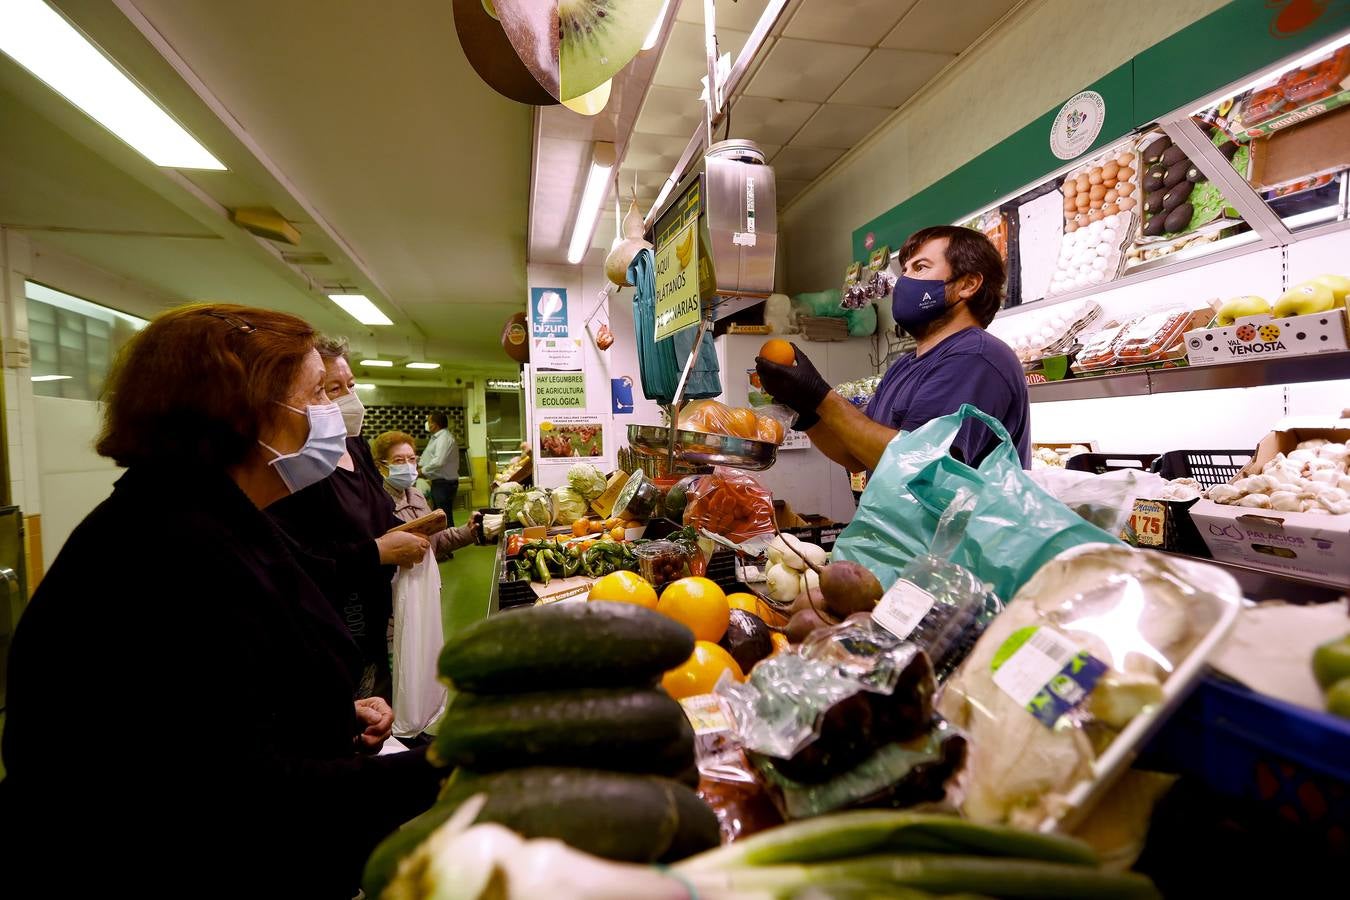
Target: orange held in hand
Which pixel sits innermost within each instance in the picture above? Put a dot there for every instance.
(779, 351)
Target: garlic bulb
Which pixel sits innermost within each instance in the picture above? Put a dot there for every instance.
(1307, 504)
(1312, 444)
(1260, 501)
(1302, 456)
(1326, 476)
(1286, 500)
(1256, 484)
(1338, 453)
(1224, 493)
(1317, 511)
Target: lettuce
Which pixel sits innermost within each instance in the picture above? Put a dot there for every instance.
(586, 480)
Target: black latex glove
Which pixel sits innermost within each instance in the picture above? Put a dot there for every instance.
(799, 387)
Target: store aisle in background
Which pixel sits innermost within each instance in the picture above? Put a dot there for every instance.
(466, 587)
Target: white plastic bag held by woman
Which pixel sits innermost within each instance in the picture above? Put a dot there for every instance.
(419, 698)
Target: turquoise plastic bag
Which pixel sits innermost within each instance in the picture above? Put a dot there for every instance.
(1013, 526)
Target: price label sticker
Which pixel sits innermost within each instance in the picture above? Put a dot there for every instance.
(902, 608)
(1148, 520)
(705, 713)
(1045, 672)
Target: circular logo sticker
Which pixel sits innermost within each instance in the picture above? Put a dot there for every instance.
(870, 241)
(1077, 125)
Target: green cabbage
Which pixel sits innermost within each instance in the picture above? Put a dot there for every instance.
(568, 506)
(537, 509)
(503, 492)
(514, 506)
(586, 480)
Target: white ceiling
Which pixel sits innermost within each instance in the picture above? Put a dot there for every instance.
(828, 75)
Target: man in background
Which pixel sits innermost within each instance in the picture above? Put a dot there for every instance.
(440, 464)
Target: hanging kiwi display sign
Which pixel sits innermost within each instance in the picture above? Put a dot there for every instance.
(571, 47)
(494, 58)
(677, 276)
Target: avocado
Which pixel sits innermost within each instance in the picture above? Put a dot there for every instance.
(1177, 195)
(1229, 149)
(1154, 201)
(1179, 218)
(1177, 173)
(1155, 225)
(1154, 151)
(1154, 179)
(1173, 156)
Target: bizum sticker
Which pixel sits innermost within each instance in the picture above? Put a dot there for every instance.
(1045, 673)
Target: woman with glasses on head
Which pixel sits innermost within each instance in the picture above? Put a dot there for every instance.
(181, 693)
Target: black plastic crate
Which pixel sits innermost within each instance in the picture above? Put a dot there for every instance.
(1209, 467)
(1101, 463)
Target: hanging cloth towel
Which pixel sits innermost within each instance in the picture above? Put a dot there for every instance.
(704, 378)
(656, 359)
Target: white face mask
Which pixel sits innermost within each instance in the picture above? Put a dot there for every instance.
(353, 413)
(401, 476)
(427, 427)
(318, 456)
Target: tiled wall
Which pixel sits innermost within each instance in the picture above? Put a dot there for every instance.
(412, 419)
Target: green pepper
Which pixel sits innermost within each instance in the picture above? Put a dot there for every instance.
(542, 574)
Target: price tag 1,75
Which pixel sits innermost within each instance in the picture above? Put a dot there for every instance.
(1147, 520)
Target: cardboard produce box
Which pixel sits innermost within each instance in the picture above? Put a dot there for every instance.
(1294, 543)
(1267, 337)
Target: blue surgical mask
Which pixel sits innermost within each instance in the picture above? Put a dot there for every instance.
(323, 448)
(918, 301)
(401, 476)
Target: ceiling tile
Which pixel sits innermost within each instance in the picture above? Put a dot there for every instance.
(803, 163)
(740, 15)
(890, 77)
(932, 26)
(671, 111)
(683, 62)
(766, 121)
(804, 70)
(788, 189)
(841, 126)
(861, 22)
(653, 152)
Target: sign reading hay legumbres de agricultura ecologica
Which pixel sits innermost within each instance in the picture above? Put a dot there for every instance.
(677, 295)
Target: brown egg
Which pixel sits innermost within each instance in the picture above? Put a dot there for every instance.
(1095, 215)
(1109, 182)
(1124, 188)
(1083, 201)
(1110, 197)
(1070, 227)
(1125, 159)
(1070, 187)
(1070, 204)
(1098, 192)
(1124, 174)
(1081, 219)
(1109, 170)
(1083, 183)
(1110, 209)
(1095, 176)
(1125, 203)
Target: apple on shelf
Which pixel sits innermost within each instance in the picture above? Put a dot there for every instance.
(1241, 308)
(1307, 319)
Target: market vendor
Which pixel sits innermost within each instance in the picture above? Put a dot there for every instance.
(181, 706)
(950, 290)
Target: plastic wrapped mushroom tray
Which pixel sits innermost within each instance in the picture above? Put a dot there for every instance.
(702, 449)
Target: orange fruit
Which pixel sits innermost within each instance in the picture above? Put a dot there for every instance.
(698, 604)
(742, 600)
(624, 587)
(780, 641)
(743, 423)
(699, 673)
(770, 430)
(779, 351)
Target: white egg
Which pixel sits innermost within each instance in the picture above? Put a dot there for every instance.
(1103, 251)
(1097, 277)
(1109, 236)
(1080, 281)
(1099, 264)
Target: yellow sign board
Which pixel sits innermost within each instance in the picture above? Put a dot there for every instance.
(677, 294)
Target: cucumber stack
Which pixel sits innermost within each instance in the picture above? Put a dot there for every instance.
(557, 717)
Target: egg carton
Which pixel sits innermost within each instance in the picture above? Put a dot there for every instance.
(1100, 209)
(1057, 331)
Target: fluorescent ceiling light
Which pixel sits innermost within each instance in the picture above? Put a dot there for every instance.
(50, 378)
(424, 365)
(359, 307)
(588, 212)
(655, 34)
(44, 43)
(362, 386)
(378, 363)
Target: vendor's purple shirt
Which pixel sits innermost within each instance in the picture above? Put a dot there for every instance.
(971, 366)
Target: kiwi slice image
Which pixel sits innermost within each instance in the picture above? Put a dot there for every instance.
(574, 46)
(492, 56)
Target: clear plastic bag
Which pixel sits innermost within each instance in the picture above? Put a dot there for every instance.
(730, 503)
(766, 423)
(1063, 685)
(1105, 500)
